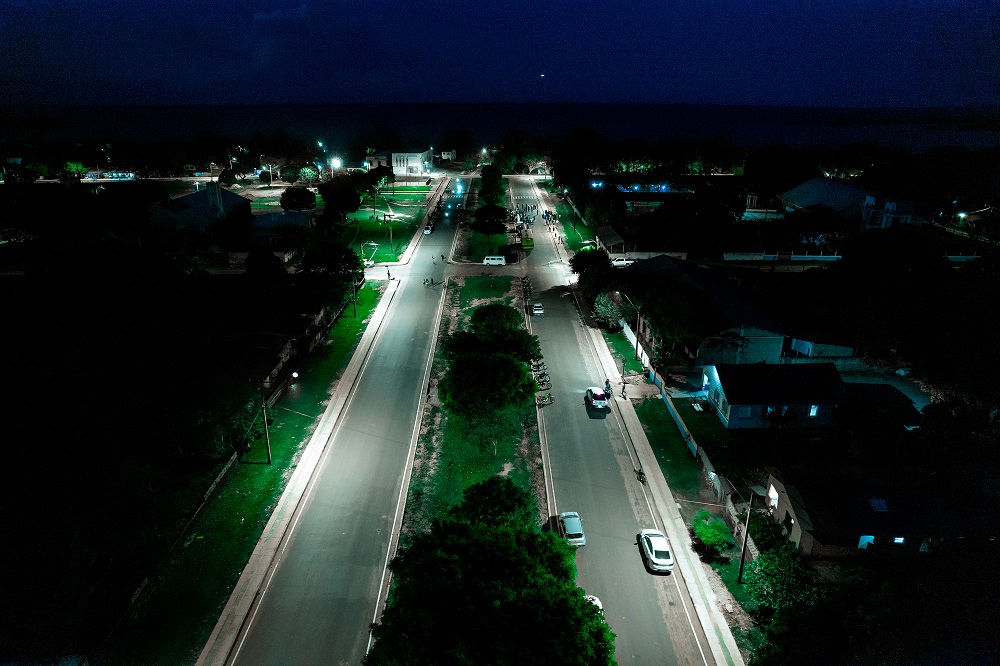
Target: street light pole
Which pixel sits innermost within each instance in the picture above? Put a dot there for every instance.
(638, 310)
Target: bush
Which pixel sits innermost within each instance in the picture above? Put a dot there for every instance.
(712, 532)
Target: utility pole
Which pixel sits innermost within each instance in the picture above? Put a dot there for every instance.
(756, 490)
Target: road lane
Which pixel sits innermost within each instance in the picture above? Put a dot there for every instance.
(323, 593)
(593, 473)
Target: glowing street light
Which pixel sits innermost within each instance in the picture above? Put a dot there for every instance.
(336, 163)
(637, 311)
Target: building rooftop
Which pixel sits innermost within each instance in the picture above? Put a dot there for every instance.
(769, 384)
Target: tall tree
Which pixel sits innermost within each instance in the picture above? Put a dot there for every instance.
(341, 198)
(490, 220)
(510, 598)
(482, 383)
(298, 198)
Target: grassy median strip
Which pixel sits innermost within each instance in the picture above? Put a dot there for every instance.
(190, 591)
(453, 453)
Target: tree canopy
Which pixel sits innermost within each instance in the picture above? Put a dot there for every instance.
(486, 370)
(298, 198)
(490, 220)
(477, 383)
(341, 198)
(509, 598)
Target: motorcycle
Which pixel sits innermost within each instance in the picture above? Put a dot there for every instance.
(544, 386)
(545, 400)
(539, 367)
(543, 378)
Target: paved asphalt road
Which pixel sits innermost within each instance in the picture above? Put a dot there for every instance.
(319, 604)
(593, 472)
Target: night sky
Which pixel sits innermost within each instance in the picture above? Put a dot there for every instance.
(767, 52)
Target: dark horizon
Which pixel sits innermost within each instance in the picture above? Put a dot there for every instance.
(337, 124)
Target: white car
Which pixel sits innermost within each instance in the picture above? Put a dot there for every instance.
(621, 262)
(655, 549)
(571, 525)
(429, 228)
(537, 309)
(597, 398)
(369, 263)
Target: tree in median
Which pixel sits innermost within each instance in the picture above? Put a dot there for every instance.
(297, 198)
(485, 585)
(497, 502)
(490, 220)
(498, 328)
(479, 383)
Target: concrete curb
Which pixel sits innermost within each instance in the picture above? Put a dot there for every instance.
(245, 596)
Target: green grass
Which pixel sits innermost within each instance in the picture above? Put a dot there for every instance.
(621, 348)
(188, 594)
(475, 246)
(456, 453)
(672, 454)
(728, 570)
(484, 288)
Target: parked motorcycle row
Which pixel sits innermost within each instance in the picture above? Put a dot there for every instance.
(539, 369)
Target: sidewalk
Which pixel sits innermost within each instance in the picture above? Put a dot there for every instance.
(706, 605)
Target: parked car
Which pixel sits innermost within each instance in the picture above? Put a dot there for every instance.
(621, 262)
(597, 398)
(537, 309)
(429, 228)
(369, 263)
(655, 549)
(571, 526)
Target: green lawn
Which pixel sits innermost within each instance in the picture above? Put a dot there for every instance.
(621, 348)
(366, 228)
(678, 465)
(188, 594)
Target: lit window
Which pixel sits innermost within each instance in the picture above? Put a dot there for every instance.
(898, 540)
(813, 410)
(866, 541)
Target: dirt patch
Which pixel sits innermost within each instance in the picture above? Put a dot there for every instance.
(733, 612)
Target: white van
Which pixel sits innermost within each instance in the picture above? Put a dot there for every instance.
(494, 261)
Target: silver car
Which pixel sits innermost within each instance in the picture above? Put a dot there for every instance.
(571, 525)
(655, 550)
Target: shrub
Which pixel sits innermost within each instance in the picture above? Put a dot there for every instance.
(712, 532)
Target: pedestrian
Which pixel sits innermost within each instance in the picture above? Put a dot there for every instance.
(442, 257)
(388, 276)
